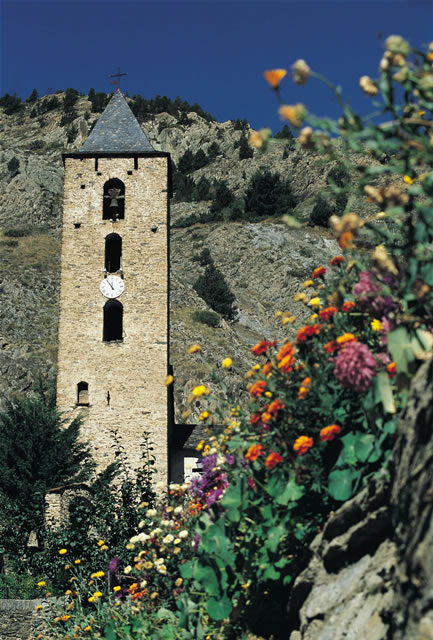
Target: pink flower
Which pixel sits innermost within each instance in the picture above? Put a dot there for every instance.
(355, 366)
(367, 298)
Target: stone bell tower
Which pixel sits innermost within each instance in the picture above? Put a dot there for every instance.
(113, 326)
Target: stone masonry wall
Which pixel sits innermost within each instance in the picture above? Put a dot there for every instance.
(132, 370)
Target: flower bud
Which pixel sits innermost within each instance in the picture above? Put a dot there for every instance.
(301, 72)
(368, 86)
(396, 44)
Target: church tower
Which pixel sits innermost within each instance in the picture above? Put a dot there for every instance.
(113, 327)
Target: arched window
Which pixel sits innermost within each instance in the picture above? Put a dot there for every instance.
(113, 321)
(114, 200)
(113, 252)
(83, 393)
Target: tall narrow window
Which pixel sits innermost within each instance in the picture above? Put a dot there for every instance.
(83, 393)
(113, 252)
(114, 200)
(113, 321)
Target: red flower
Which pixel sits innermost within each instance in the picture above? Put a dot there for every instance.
(256, 417)
(307, 331)
(348, 305)
(329, 432)
(327, 313)
(254, 452)
(330, 347)
(302, 444)
(391, 369)
(262, 347)
(275, 406)
(320, 271)
(272, 460)
(336, 260)
(258, 388)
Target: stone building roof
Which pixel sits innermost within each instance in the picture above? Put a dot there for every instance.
(117, 131)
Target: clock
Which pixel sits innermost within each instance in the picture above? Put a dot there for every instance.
(112, 286)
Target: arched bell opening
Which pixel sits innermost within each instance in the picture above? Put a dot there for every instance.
(113, 253)
(113, 321)
(114, 200)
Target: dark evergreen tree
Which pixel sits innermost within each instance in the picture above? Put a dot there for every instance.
(186, 162)
(71, 97)
(245, 151)
(268, 195)
(13, 165)
(11, 104)
(200, 160)
(322, 211)
(213, 151)
(202, 189)
(212, 287)
(33, 97)
(285, 133)
(37, 452)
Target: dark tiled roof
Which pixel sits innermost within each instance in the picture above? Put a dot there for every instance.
(117, 131)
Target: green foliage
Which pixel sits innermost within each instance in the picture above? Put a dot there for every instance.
(209, 318)
(13, 165)
(321, 212)
(241, 125)
(18, 587)
(33, 97)
(268, 195)
(222, 198)
(37, 452)
(11, 104)
(213, 151)
(70, 99)
(19, 232)
(285, 133)
(50, 104)
(245, 151)
(200, 160)
(213, 288)
(144, 109)
(71, 133)
(36, 145)
(98, 100)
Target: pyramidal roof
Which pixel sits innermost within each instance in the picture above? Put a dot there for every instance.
(117, 131)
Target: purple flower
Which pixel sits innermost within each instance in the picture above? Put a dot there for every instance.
(209, 487)
(366, 295)
(230, 459)
(355, 367)
(114, 565)
(195, 542)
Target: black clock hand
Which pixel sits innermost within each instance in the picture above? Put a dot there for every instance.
(110, 283)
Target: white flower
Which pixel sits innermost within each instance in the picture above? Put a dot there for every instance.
(174, 487)
(141, 524)
(165, 523)
(169, 538)
(142, 537)
(183, 534)
(143, 583)
(127, 569)
(151, 513)
(185, 486)
(162, 569)
(178, 510)
(155, 532)
(158, 562)
(177, 541)
(133, 540)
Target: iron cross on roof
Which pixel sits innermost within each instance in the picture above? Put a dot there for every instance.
(117, 75)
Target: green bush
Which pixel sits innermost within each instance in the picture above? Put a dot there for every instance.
(33, 97)
(245, 151)
(18, 232)
(18, 587)
(213, 288)
(268, 195)
(36, 144)
(11, 104)
(13, 165)
(210, 318)
(321, 212)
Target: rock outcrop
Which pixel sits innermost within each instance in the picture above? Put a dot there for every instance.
(371, 571)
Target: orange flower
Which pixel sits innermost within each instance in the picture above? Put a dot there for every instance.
(294, 114)
(266, 368)
(302, 444)
(275, 406)
(327, 313)
(345, 338)
(256, 417)
(320, 271)
(254, 452)
(65, 617)
(286, 357)
(302, 392)
(391, 369)
(307, 331)
(329, 432)
(258, 388)
(274, 77)
(336, 260)
(345, 240)
(330, 347)
(266, 416)
(272, 460)
(262, 347)
(348, 305)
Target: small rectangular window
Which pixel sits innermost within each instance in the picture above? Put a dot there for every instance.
(77, 225)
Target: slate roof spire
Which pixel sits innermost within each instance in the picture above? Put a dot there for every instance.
(117, 131)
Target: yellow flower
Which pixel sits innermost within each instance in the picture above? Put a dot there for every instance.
(77, 561)
(100, 543)
(88, 628)
(199, 391)
(148, 565)
(314, 316)
(268, 394)
(204, 415)
(90, 599)
(129, 546)
(368, 86)
(246, 585)
(65, 617)
(299, 296)
(97, 594)
(226, 363)
(294, 114)
(104, 547)
(274, 77)
(97, 574)
(200, 445)
(315, 302)
(178, 582)
(154, 595)
(278, 314)
(168, 381)
(41, 583)
(408, 180)
(194, 348)
(308, 283)
(376, 325)
(63, 551)
(38, 607)
(117, 588)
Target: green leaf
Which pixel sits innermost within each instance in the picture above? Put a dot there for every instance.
(341, 483)
(385, 391)
(276, 484)
(110, 632)
(219, 609)
(207, 578)
(275, 535)
(348, 454)
(186, 570)
(270, 573)
(398, 343)
(232, 500)
(292, 492)
(364, 446)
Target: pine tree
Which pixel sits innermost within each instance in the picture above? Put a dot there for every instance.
(245, 151)
(268, 195)
(212, 287)
(33, 97)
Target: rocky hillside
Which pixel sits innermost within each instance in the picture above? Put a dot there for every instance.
(263, 261)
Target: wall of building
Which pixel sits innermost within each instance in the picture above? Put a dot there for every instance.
(133, 370)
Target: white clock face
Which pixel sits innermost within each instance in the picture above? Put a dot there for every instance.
(112, 286)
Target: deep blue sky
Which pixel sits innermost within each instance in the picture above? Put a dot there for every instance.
(208, 51)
